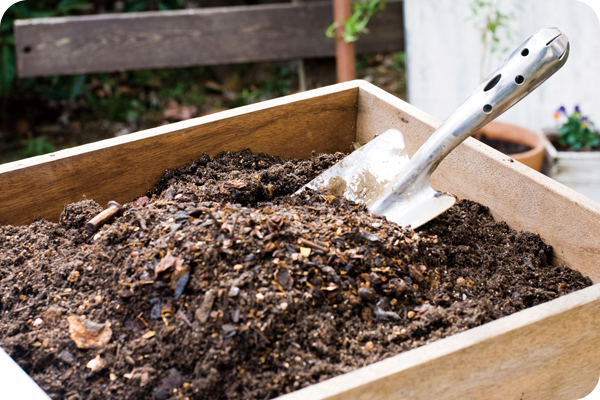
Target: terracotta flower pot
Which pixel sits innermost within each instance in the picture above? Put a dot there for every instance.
(513, 133)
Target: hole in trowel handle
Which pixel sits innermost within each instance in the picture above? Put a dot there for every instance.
(519, 79)
(492, 83)
(525, 52)
(487, 108)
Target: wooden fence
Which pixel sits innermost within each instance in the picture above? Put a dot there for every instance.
(209, 36)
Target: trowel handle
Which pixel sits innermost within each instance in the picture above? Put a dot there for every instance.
(538, 58)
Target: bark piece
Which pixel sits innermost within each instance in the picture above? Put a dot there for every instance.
(88, 334)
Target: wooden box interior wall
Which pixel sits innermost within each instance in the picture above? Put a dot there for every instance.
(121, 168)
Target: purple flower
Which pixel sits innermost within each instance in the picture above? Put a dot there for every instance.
(577, 109)
(584, 119)
(562, 110)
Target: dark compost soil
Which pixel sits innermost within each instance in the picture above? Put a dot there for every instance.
(223, 286)
(505, 146)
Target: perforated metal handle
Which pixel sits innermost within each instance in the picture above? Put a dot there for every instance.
(538, 58)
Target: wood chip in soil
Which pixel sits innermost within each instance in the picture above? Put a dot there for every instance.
(222, 285)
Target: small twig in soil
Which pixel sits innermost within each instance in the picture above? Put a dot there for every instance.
(313, 245)
(114, 209)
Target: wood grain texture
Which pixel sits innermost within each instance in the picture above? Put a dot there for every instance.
(550, 351)
(122, 168)
(320, 72)
(524, 198)
(110, 42)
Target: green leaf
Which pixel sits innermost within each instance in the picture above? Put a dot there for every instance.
(37, 147)
(66, 6)
(77, 82)
(8, 40)
(163, 6)
(43, 14)
(330, 31)
(362, 11)
(6, 25)
(18, 10)
(134, 6)
(7, 74)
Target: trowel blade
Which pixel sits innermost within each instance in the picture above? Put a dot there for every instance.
(418, 208)
(368, 175)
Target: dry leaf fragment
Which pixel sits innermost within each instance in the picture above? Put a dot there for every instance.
(284, 278)
(203, 311)
(53, 314)
(73, 276)
(140, 202)
(180, 278)
(148, 335)
(227, 227)
(415, 273)
(168, 262)
(305, 251)
(330, 287)
(172, 379)
(274, 223)
(176, 112)
(95, 364)
(236, 183)
(212, 85)
(87, 334)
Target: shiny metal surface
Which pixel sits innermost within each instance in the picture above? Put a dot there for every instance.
(399, 188)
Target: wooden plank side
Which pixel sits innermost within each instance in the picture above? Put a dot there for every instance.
(550, 351)
(524, 198)
(224, 35)
(122, 168)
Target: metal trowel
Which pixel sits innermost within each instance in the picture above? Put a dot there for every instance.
(380, 173)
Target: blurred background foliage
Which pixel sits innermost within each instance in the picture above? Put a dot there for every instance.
(45, 114)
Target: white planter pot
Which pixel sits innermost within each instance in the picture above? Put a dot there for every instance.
(578, 170)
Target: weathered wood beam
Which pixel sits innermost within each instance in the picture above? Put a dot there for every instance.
(210, 36)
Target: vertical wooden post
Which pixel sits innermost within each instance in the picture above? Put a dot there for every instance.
(316, 72)
(344, 52)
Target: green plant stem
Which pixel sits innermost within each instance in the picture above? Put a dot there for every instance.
(362, 11)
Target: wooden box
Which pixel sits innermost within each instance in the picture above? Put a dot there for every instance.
(550, 351)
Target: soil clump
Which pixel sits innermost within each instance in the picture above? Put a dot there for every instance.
(505, 146)
(222, 285)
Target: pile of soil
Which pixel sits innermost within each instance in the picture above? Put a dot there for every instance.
(505, 146)
(221, 285)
